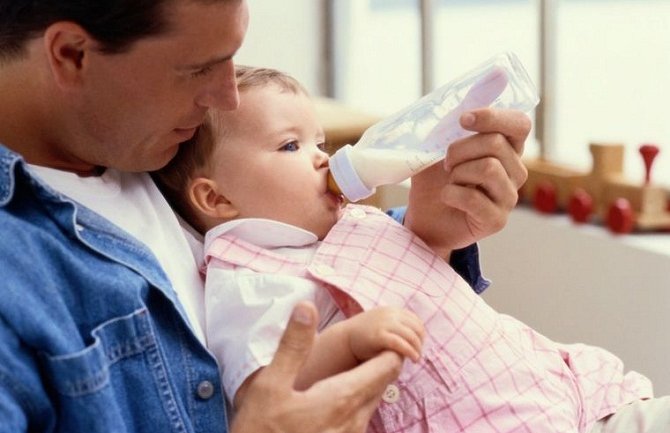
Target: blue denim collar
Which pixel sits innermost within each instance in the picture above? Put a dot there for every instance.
(8, 161)
(102, 233)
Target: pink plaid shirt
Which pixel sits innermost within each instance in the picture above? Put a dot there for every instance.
(481, 371)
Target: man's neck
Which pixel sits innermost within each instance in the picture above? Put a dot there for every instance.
(30, 125)
(37, 152)
(25, 131)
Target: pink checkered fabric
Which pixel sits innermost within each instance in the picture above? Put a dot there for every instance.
(481, 371)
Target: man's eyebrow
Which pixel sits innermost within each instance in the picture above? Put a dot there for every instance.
(207, 64)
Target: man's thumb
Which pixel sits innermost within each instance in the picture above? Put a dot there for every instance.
(296, 343)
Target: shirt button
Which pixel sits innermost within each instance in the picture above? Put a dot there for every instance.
(79, 227)
(323, 270)
(205, 390)
(357, 213)
(391, 394)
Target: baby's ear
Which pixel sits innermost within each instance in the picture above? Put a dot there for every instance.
(207, 200)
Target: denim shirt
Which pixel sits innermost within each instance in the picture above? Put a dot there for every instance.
(92, 337)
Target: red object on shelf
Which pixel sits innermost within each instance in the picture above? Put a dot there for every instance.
(648, 152)
(620, 216)
(544, 199)
(580, 206)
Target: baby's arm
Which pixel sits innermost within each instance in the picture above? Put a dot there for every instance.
(343, 345)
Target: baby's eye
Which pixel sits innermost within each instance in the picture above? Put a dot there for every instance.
(290, 146)
(322, 146)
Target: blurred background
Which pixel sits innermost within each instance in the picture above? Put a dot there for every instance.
(607, 62)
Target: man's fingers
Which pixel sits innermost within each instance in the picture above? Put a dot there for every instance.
(366, 382)
(513, 124)
(487, 148)
(342, 403)
(484, 217)
(491, 178)
(374, 374)
(295, 344)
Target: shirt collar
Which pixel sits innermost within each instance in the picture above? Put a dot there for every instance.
(264, 233)
(8, 160)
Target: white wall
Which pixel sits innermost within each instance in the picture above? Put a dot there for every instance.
(582, 284)
(286, 35)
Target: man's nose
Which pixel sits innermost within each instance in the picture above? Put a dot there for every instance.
(221, 92)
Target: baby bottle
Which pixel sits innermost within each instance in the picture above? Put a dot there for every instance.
(419, 135)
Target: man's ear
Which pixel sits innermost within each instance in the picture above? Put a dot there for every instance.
(68, 48)
(206, 198)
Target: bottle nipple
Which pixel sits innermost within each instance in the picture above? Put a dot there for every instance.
(332, 185)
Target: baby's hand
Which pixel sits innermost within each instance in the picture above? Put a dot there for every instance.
(386, 328)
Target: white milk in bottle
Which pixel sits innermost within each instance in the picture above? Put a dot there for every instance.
(418, 136)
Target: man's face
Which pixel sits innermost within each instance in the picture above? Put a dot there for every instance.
(269, 162)
(136, 107)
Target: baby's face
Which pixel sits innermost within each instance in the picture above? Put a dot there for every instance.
(270, 162)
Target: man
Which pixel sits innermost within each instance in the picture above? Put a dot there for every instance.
(100, 320)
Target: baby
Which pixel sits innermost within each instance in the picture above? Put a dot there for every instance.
(255, 180)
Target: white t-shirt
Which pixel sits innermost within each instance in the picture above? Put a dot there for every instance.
(133, 202)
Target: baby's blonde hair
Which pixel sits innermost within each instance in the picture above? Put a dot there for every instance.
(194, 155)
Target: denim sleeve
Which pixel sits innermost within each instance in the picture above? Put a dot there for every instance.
(465, 261)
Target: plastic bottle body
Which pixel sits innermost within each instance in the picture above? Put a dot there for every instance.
(418, 136)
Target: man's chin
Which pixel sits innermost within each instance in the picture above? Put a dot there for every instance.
(163, 159)
(146, 165)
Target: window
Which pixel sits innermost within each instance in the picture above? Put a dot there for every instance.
(609, 60)
(376, 54)
(613, 80)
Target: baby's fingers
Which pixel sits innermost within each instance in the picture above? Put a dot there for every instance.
(405, 347)
(410, 336)
(413, 322)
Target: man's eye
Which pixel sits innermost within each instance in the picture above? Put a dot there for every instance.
(202, 72)
(291, 146)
